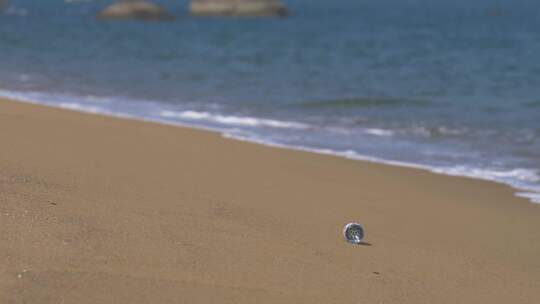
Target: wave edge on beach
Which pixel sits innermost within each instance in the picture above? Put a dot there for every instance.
(523, 180)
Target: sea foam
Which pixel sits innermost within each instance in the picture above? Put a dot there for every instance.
(233, 120)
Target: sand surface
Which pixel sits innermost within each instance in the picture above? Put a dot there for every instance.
(102, 210)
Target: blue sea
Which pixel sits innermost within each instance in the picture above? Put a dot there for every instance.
(448, 86)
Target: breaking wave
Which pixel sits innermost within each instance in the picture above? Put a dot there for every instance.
(233, 120)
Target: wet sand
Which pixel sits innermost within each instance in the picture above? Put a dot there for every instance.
(96, 209)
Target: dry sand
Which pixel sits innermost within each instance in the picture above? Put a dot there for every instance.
(102, 210)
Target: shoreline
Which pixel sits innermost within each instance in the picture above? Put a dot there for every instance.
(532, 194)
(97, 209)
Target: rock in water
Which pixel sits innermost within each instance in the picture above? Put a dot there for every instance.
(135, 9)
(3, 4)
(254, 8)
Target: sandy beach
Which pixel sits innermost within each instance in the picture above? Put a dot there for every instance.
(96, 209)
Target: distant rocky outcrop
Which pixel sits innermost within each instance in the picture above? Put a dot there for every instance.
(3, 4)
(495, 12)
(135, 9)
(237, 8)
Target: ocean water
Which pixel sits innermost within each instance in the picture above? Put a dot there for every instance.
(449, 86)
